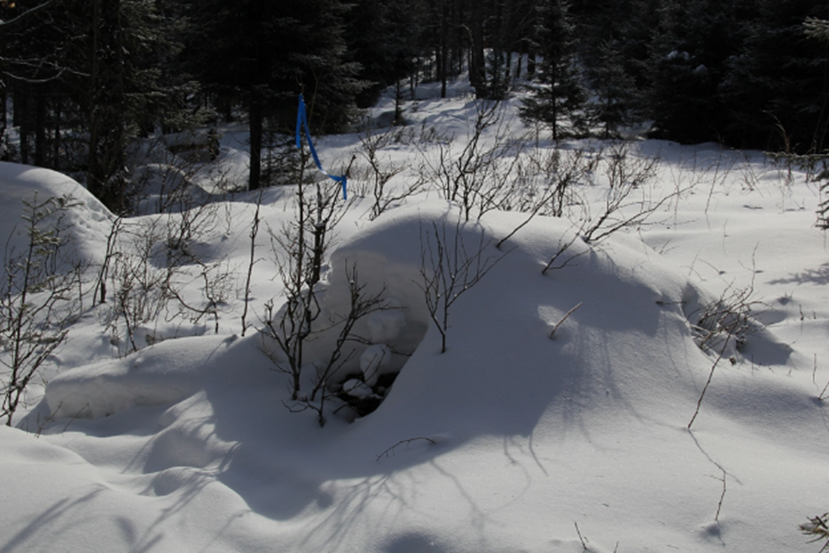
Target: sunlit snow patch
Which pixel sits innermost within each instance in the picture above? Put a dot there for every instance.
(84, 226)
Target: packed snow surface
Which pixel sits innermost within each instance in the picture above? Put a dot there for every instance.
(556, 419)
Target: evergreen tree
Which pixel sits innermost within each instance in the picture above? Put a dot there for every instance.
(614, 90)
(133, 88)
(497, 77)
(477, 46)
(614, 49)
(641, 18)
(519, 32)
(819, 29)
(267, 53)
(384, 38)
(778, 88)
(557, 95)
(39, 65)
(105, 176)
(103, 68)
(161, 92)
(689, 55)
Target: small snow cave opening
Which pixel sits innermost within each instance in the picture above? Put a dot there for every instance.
(380, 343)
(392, 335)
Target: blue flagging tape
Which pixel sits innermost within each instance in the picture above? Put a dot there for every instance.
(302, 122)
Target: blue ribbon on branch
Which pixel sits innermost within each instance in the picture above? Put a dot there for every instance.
(302, 121)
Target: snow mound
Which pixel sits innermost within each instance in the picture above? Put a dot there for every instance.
(164, 188)
(509, 432)
(623, 323)
(160, 375)
(629, 303)
(86, 224)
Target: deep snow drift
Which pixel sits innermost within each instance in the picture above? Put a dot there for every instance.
(508, 441)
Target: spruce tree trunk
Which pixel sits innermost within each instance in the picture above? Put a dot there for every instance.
(256, 128)
(443, 62)
(105, 178)
(40, 130)
(398, 98)
(22, 121)
(3, 113)
(477, 72)
(56, 144)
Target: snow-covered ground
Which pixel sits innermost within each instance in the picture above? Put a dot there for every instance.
(509, 441)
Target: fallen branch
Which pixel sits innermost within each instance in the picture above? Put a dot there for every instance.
(582, 539)
(710, 376)
(564, 318)
(390, 450)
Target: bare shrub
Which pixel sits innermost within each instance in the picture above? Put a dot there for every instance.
(559, 171)
(564, 245)
(147, 264)
(545, 184)
(726, 323)
(254, 232)
(627, 175)
(100, 293)
(722, 328)
(816, 167)
(818, 529)
(390, 451)
(449, 267)
(299, 323)
(480, 177)
(140, 289)
(37, 302)
(216, 284)
(381, 171)
(301, 249)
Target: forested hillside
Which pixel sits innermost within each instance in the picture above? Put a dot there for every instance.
(82, 79)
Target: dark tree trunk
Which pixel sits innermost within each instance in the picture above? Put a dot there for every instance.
(443, 63)
(477, 71)
(398, 99)
(105, 177)
(256, 129)
(40, 131)
(22, 121)
(3, 113)
(56, 141)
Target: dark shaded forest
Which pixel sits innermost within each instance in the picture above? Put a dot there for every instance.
(81, 79)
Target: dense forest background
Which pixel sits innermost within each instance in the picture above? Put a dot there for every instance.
(81, 79)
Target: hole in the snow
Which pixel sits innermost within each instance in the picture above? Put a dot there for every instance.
(368, 382)
(386, 339)
(380, 343)
(361, 398)
(364, 385)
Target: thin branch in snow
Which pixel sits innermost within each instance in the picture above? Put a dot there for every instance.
(564, 318)
(390, 451)
(582, 539)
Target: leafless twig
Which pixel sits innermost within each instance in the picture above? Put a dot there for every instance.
(390, 451)
(582, 539)
(252, 261)
(564, 318)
